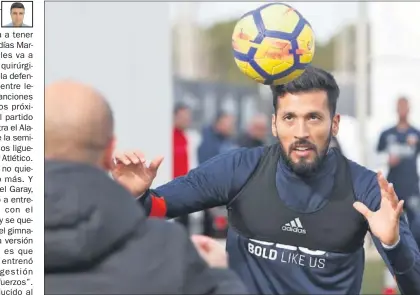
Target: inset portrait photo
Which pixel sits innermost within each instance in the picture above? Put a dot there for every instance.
(17, 14)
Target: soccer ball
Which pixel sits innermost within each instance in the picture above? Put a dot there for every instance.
(273, 44)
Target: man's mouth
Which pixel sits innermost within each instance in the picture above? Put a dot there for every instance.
(302, 151)
(302, 148)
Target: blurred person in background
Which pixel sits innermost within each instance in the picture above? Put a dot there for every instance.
(180, 165)
(399, 146)
(182, 121)
(256, 132)
(298, 211)
(216, 139)
(97, 239)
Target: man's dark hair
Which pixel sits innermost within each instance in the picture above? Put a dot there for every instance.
(17, 5)
(312, 79)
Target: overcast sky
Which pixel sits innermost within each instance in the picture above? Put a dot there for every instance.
(325, 17)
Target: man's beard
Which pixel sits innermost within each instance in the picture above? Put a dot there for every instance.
(302, 167)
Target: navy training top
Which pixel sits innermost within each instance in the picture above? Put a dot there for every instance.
(218, 180)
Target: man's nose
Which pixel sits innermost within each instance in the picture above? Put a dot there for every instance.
(302, 130)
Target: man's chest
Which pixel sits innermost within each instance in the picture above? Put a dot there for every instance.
(402, 144)
(273, 268)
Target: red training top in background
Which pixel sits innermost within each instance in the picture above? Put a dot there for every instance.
(180, 153)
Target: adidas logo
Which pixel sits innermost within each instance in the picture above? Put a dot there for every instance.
(294, 226)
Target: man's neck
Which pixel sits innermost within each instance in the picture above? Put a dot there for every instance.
(403, 125)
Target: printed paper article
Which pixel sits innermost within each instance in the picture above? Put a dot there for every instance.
(21, 147)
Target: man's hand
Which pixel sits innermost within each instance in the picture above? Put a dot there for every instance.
(131, 171)
(384, 223)
(211, 251)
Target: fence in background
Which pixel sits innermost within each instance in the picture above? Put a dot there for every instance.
(206, 99)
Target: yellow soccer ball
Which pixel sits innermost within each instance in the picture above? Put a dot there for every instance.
(273, 44)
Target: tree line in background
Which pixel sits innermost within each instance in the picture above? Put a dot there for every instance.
(221, 65)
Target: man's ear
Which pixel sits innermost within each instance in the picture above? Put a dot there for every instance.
(273, 125)
(335, 124)
(108, 155)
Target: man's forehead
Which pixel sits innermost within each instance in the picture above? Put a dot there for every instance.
(304, 100)
(18, 10)
(403, 101)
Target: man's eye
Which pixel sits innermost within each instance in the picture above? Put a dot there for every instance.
(314, 117)
(287, 118)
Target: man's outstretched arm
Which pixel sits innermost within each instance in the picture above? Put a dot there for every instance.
(402, 258)
(211, 184)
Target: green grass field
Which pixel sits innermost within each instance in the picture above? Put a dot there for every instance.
(373, 278)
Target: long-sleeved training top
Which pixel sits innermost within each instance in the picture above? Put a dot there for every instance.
(218, 180)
